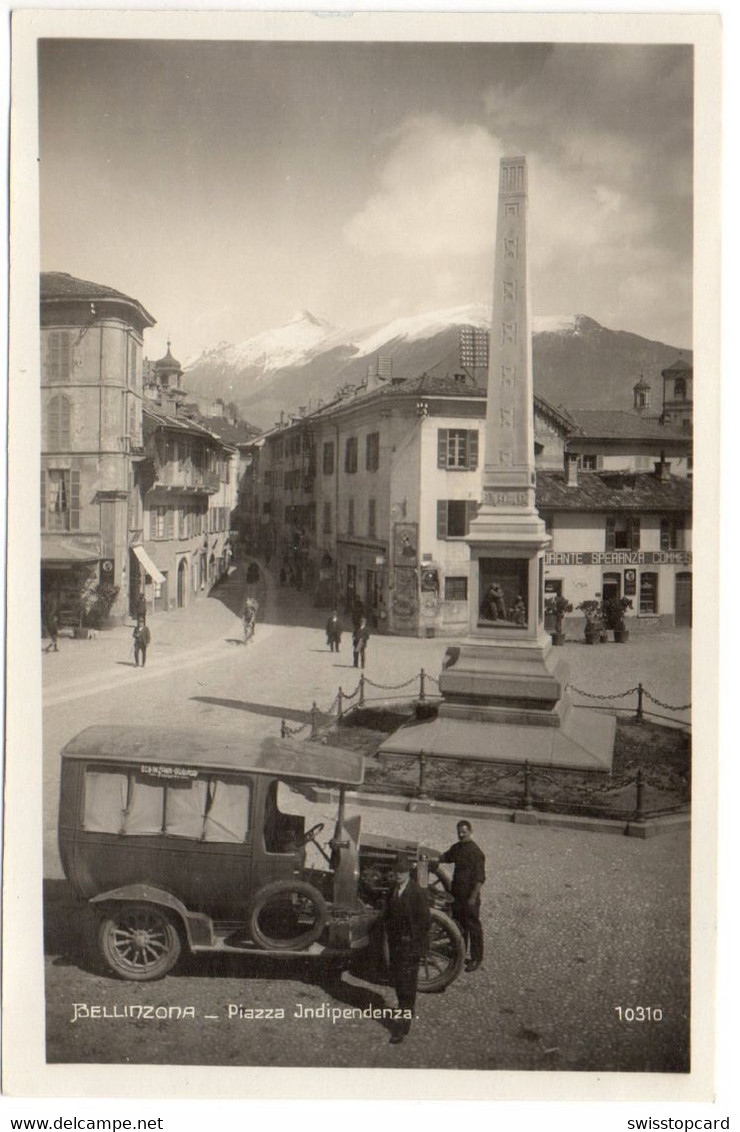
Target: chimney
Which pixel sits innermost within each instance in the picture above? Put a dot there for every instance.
(571, 469)
(663, 468)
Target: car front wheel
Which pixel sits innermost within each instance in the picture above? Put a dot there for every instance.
(139, 942)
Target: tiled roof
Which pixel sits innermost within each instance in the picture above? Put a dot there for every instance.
(613, 491)
(179, 424)
(61, 285)
(679, 366)
(230, 433)
(618, 424)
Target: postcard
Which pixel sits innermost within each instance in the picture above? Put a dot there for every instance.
(351, 720)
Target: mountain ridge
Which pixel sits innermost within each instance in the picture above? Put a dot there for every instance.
(576, 360)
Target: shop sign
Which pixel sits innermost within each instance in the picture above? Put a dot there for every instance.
(618, 558)
(168, 771)
(630, 583)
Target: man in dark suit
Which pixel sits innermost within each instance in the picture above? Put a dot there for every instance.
(407, 925)
(467, 881)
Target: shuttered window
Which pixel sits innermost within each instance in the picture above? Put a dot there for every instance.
(372, 451)
(457, 448)
(350, 455)
(328, 458)
(60, 355)
(454, 517)
(58, 421)
(622, 532)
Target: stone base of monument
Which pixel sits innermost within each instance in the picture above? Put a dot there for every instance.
(509, 705)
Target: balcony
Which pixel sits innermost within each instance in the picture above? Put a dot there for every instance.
(186, 478)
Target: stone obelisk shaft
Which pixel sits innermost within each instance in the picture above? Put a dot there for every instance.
(508, 474)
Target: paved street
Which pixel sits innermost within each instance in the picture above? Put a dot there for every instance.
(576, 924)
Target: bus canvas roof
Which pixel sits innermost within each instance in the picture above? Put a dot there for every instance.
(238, 753)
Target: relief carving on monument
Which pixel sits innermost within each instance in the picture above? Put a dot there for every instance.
(498, 498)
(507, 418)
(509, 290)
(511, 247)
(511, 209)
(506, 457)
(508, 373)
(503, 584)
(508, 332)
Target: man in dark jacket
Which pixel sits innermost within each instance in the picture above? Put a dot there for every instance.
(407, 925)
(334, 632)
(467, 881)
(142, 640)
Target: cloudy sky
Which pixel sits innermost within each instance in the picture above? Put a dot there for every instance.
(227, 185)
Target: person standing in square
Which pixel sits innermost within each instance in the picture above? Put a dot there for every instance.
(407, 920)
(468, 879)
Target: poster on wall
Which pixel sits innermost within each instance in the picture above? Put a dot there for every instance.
(405, 542)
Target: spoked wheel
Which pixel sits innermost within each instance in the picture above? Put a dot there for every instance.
(444, 956)
(139, 942)
(288, 915)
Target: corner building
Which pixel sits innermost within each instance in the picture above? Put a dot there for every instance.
(91, 434)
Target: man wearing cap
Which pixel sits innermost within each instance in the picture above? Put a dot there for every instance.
(407, 924)
(467, 881)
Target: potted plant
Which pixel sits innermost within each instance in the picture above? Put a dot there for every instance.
(557, 607)
(613, 615)
(594, 624)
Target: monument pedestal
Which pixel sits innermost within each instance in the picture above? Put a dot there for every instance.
(505, 697)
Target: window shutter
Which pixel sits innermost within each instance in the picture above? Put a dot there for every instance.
(473, 449)
(442, 439)
(169, 523)
(52, 422)
(43, 498)
(471, 510)
(442, 514)
(74, 500)
(64, 422)
(665, 535)
(610, 524)
(635, 533)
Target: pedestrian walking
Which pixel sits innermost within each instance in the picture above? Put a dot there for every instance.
(334, 632)
(407, 921)
(142, 640)
(359, 643)
(249, 618)
(467, 880)
(51, 622)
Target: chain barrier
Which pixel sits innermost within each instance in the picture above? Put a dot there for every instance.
(287, 732)
(392, 687)
(433, 679)
(668, 707)
(596, 696)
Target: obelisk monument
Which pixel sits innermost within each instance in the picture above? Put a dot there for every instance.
(504, 696)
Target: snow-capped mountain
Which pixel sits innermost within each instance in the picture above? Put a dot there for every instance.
(577, 362)
(299, 339)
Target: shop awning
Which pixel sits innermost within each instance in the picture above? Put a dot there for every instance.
(153, 571)
(68, 551)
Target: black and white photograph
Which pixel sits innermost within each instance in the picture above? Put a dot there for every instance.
(359, 375)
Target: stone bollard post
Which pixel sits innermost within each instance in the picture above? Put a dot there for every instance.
(314, 724)
(340, 702)
(362, 690)
(422, 693)
(283, 729)
(421, 791)
(640, 798)
(528, 804)
(639, 701)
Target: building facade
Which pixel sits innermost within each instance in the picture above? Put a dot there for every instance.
(371, 498)
(91, 438)
(186, 492)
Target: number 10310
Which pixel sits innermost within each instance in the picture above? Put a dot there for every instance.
(639, 1013)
